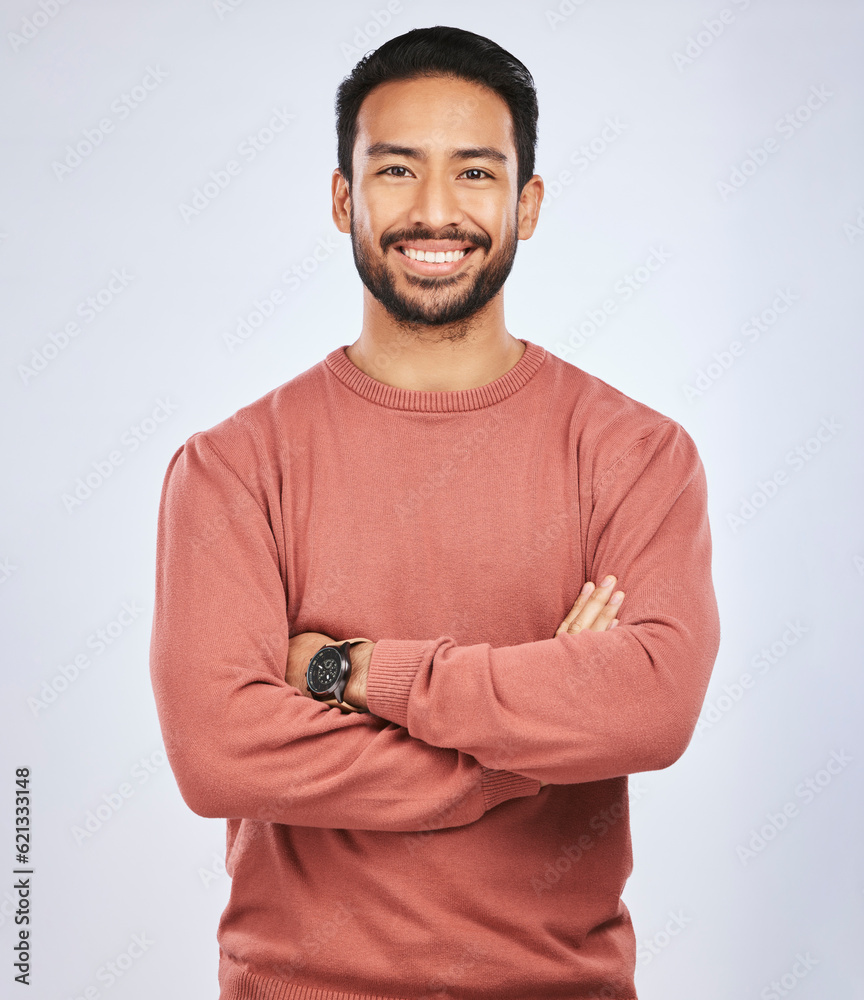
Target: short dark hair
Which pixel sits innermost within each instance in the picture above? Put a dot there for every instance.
(441, 51)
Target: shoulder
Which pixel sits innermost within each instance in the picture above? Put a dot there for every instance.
(597, 405)
(611, 431)
(257, 440)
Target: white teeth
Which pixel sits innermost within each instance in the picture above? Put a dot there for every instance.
(439, 256)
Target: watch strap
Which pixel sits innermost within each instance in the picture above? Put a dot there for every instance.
(341, 647)
(351, 642)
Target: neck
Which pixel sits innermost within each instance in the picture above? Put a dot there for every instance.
(443, 358)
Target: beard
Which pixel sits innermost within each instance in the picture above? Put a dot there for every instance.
(451, 300)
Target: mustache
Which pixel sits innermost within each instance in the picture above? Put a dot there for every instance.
(459, 235)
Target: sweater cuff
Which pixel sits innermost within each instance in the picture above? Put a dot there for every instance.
(392, 670)
(498, 786)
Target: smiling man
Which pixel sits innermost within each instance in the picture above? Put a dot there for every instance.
(387, 643)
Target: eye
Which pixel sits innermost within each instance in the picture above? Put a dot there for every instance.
(388, 169)
(476, 170)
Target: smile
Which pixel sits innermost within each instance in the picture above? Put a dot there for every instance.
(436, 256)
(432, 262)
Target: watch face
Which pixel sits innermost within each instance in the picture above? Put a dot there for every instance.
(324, 669)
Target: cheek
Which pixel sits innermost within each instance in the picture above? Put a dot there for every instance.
(372, 226)
(384, 208)
(367, 235)
(493, 217)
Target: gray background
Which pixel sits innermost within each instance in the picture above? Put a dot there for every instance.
(684, 123)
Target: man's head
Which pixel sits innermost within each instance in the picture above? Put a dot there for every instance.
(441, 51)
(436, 136)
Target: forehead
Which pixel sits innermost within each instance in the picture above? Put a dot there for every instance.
(434, 111)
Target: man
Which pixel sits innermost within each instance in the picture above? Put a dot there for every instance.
(459, 504)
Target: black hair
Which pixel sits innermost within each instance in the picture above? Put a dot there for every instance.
(441, 51)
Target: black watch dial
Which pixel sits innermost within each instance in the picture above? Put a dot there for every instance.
(324, 669)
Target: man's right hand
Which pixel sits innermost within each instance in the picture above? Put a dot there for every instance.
(595, 610)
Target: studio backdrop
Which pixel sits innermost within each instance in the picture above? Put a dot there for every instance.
(168, 256)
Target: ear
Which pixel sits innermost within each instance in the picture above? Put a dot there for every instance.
(529, 207)
(341, 202)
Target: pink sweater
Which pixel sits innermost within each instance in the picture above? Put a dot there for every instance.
(411, 853)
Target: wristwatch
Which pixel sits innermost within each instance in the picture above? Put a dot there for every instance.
(328, 672)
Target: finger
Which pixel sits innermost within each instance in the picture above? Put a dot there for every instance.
(343, 706)
(584, 594)
(593, 606)
(606, 614)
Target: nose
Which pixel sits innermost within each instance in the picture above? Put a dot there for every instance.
(436, 204)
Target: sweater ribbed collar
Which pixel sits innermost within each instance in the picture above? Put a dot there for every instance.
(436, 401)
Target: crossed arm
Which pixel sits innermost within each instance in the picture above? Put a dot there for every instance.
(594, 610)
(439, 747)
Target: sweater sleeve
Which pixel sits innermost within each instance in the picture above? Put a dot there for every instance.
(241, 741)
(594, 705)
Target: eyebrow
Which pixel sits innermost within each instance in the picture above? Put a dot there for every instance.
(381, 149)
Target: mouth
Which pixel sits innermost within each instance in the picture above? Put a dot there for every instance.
(434, 256)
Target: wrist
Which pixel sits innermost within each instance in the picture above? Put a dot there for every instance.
(355, 689)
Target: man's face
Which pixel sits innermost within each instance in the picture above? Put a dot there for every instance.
(434, 172)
